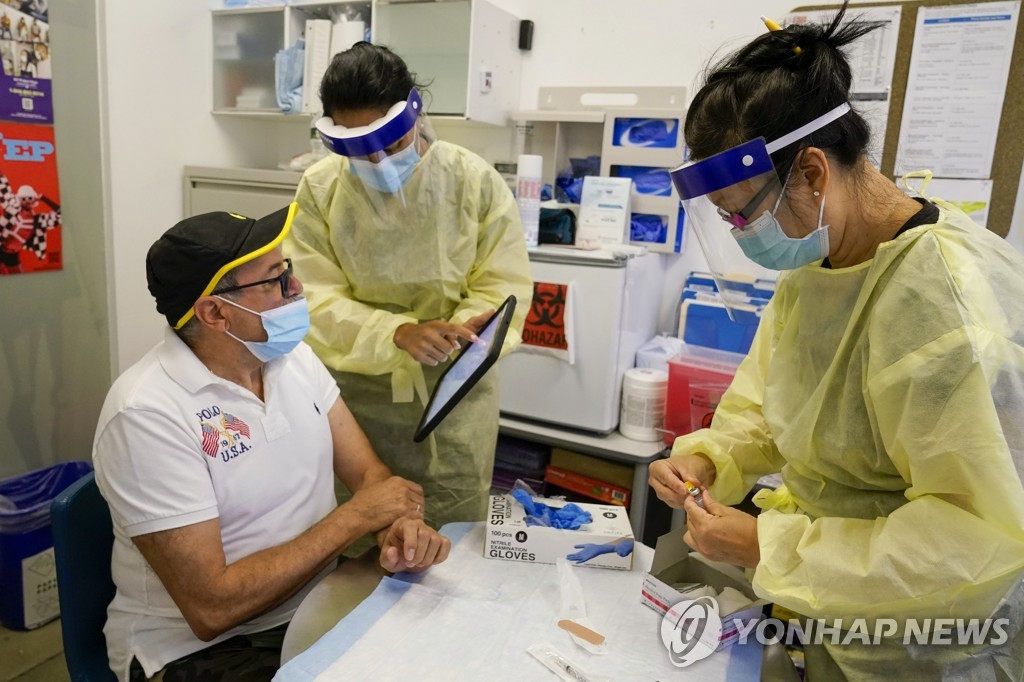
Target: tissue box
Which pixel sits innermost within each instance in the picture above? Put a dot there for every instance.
(508, 537)
(674, 562)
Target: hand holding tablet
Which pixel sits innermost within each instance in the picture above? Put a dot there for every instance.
(431, 342)
(471, 364)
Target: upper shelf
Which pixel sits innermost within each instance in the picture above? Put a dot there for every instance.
(560, 116)
(275, 114)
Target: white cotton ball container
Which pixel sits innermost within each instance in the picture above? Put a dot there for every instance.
(642, 411)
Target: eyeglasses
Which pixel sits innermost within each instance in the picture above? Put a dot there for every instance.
(283, 279)
(742, 217)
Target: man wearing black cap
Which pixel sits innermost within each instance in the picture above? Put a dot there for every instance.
(217, 452)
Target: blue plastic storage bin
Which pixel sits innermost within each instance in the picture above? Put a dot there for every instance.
(28, 577)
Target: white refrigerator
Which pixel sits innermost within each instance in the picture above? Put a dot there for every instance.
(614, 306)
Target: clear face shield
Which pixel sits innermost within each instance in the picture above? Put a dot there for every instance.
(383, 154)
(730, 200)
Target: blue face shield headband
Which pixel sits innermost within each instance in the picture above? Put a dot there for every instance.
(373, 138)
(743, 162)
(730, 199)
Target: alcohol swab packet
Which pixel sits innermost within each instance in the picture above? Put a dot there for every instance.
(574, 609)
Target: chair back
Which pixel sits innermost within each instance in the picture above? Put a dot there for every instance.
(83, 538)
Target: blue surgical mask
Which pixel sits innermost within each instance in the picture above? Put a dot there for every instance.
(764, 242)
(285, 326)
(391, 173)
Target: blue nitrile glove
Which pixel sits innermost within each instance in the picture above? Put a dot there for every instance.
(645, 227)
(570, 517)
(655, 182)
(649, 132)
(588, 552)
(532, 508)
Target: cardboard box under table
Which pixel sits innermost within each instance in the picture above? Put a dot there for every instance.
(509, 537)
(675, 563)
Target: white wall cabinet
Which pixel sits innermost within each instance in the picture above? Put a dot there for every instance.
(245, 41)
(465, 51)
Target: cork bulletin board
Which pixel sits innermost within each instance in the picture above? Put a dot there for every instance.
(1009, 151)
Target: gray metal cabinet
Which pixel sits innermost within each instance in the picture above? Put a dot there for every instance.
(248, 192)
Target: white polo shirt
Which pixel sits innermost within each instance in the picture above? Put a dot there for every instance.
(177, 445)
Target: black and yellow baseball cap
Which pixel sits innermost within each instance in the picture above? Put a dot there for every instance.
(191, 258)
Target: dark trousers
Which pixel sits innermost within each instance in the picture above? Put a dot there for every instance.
(245, 658)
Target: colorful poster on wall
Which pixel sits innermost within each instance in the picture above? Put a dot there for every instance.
(25, 85)
(30, 222)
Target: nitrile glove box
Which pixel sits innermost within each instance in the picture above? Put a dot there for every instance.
(508, 537)
(674, 562)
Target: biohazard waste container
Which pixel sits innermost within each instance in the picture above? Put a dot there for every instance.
(28, 576)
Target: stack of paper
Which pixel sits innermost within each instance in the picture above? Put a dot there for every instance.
(318, 56)
(323, 41)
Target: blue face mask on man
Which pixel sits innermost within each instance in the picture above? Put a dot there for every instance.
(391, 173)
(764, 242)
(285, 326)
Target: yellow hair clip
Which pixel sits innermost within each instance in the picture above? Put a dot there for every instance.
(772, 26)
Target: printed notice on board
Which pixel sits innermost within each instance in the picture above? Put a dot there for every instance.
(872, 59)
(955, 89)
(25, 85)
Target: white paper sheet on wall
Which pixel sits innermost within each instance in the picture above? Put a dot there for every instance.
(872, 59)
(955, 89)
(604, 210)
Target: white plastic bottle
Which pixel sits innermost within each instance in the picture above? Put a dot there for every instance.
(528, 183)
(642, 414)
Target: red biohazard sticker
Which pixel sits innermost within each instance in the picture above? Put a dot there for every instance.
(545, 324)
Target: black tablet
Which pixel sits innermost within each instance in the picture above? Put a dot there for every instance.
(471, 364)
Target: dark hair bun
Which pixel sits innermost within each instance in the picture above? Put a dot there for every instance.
(777, 83)
(365, 76)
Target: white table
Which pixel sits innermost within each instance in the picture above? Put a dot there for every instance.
(393, 625)
(613, 447)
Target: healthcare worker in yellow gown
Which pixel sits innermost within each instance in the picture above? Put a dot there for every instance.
(885, 382)
(405, 244)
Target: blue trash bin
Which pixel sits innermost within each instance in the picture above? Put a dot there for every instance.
(28, 577)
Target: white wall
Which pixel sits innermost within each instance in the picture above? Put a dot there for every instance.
(158, 73)
(55, 365)
(159, 83)
(159, 88)
(643, 43)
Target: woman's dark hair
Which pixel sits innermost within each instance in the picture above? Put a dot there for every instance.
(365, 77)
(766, 89)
